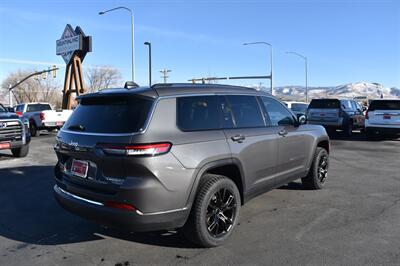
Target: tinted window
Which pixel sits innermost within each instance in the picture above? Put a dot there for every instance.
(278, 114)
(2, 109)
(246, 111)
(324, 103)
(198, 113)
(384, 105)
(114, 114)
(299, 107)
(38, 107)
(346, 104)
(19, 108)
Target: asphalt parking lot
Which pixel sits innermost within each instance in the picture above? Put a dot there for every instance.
(354, 220)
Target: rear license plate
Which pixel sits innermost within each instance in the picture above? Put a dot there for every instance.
(79, 168)
(59, 123)
(5, 145)
(321, 114)
(387, 117)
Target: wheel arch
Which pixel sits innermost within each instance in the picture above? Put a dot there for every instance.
(229, 168)
(324, 144)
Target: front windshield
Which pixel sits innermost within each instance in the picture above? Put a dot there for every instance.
(2, 109)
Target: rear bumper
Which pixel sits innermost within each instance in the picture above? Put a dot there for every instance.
(116, 218)
(335, 124)
(52, 124)
(384, 129)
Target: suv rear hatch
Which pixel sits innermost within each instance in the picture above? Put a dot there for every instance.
(384, 112)
(91, 145)
(324, 110)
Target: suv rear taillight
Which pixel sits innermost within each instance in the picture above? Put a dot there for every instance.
(153, 149)
(366, 115)
(42, 116)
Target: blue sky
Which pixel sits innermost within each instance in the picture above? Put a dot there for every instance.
(345, 41)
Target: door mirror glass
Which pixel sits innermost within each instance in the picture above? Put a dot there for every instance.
(302, 119)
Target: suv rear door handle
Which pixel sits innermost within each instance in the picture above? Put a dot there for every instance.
(282, 133)
(238, 138)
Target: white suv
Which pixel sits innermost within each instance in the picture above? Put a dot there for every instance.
(383, 117)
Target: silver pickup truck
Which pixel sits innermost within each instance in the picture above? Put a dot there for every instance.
(14, 133)
(42, 117)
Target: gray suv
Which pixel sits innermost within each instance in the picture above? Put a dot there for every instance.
(333, 114)
(181, 156)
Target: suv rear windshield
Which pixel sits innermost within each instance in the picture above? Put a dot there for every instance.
(37, 107)
(2, 109)
(324, 103)
(114, 114)
(384, 105)
(299, 107)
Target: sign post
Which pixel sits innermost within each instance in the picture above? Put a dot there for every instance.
(73, 47)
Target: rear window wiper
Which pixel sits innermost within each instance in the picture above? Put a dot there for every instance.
(77, 127)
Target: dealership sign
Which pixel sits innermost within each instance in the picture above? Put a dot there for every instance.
(73, 42)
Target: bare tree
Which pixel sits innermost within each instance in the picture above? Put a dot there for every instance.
(32, 90)
(102, 77)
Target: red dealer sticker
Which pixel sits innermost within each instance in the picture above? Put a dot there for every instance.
(79, 168)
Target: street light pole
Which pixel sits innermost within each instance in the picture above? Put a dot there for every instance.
(149, 45)
(133, 34)
(305, 68)
(271, 62)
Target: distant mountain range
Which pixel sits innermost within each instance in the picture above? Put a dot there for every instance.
(359, 89)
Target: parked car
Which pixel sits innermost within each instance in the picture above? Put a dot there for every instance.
(298, 108)
(41, 116)
(383, 118)
(334, 114)
(14, 133)
(181, 156)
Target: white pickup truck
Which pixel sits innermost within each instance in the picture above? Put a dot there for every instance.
(42, 117)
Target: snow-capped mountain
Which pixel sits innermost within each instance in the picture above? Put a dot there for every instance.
(351, 90)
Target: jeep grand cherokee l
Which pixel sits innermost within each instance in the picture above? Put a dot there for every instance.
(181, 156)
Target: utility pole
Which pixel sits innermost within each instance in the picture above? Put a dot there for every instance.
(149, 45)
(132, 33)
(164, 74)
(271, 63)
(305, 70)
(9, 96)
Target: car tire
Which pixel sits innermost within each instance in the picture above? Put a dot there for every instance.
(214, 213)
(20, 152)
(318, 173)
(34, 131)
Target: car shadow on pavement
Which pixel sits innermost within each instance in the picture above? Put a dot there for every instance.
(358, 136)
(293, 186)
(30, 214)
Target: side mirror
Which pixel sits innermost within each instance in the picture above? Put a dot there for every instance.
(302, 119)
(364, 108)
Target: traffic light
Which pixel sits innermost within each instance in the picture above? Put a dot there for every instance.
(44, 75)
(54, 71)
